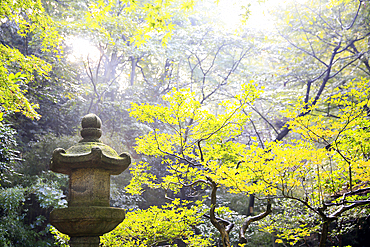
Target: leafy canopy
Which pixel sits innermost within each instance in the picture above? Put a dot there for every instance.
(192, 136)
(17, 70)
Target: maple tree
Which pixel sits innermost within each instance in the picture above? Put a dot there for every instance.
(17, 69)
(308, 163)
(330, 153)
(196, 145)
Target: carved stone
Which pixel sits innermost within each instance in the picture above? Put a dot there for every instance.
(89, 165)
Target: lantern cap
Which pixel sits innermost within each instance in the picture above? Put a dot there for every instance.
(90, 152)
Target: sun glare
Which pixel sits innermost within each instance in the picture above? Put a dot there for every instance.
(260, 19)
(233, 12)
(230, 12)
(82, 49)
(253, 14)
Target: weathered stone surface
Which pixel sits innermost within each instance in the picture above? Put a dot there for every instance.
(89, 165)
(92, 155)
(91, 125)
(84, 241)
(89, 187)
(86, 221)
(90, 152)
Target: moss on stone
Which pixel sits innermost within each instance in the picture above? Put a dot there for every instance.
(85, 147)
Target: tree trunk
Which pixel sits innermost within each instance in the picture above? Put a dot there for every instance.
(250, 219)
(324, 233)
(222, 226)
(250, 205)
(133, 70)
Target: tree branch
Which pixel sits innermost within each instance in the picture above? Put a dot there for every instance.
(251, 219)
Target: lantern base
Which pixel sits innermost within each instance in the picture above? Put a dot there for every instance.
(84, 242)
(86, 221)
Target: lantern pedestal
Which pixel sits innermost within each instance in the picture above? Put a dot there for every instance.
(84, 241)
(89, 165)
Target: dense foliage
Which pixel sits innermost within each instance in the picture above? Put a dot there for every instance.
(239, 136)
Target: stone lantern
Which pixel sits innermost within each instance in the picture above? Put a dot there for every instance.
(89, 165)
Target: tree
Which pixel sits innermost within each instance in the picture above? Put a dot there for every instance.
(207, 139)
(197, 146)
(264, 155)
(331, 153)
(328, 40)
(17, 67)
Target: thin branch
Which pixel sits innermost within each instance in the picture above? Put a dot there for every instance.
(263, 117)
(200, 151)
(355, 17)
(258, 135)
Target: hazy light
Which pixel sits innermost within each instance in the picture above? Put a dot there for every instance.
(233, 13)
(260, 18)
(230, 12)
(82, 49)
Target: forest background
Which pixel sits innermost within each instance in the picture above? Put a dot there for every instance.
(240, 135)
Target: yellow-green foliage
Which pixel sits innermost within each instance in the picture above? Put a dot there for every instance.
(29, 15)
(12, 96)
(345, 137)
(195, 134)
(60, 238)
(320, 163)
(17, 69)
(140, 176)
(158, 225)
(141, 19)
(332, 156)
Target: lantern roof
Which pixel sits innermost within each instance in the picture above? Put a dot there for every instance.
(90, 152)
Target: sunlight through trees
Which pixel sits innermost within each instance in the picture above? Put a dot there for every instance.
(247, 121)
